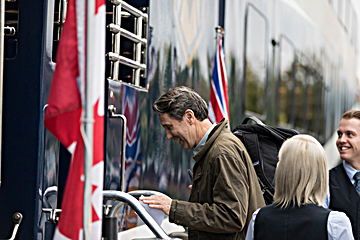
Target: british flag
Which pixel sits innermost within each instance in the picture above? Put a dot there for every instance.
(219, 101)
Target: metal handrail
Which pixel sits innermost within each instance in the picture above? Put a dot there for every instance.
(146, 193)
(113, 114)
(140, 211)
(17, 218)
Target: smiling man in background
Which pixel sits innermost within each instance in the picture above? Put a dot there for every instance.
(344, 184)
(225, 190)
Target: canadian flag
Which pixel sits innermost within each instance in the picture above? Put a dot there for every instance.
(65, 113)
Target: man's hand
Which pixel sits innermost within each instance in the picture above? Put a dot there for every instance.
(161, 202)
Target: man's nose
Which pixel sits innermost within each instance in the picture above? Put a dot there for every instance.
(342, 138)
(169, 136)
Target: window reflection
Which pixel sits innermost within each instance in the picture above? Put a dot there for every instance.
(311, 101)
(255, 73)
(300, 94)
(285, 86)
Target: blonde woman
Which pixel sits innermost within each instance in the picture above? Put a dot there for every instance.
(301, 182)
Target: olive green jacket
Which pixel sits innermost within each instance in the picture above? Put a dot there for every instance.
(225, 190)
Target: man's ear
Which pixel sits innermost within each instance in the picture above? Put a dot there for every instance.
(189, 116)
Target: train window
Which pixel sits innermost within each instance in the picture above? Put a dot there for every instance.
(332, 102)
(309, 99)
(320, 109)
(285, 84)
(327, 97)
(311, 102)
(255, 61)
(316, 123)
(299, 91)
(339, 93)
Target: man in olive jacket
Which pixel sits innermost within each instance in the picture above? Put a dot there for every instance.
(225, 190)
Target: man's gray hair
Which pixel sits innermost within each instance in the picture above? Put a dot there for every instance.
(177, 100)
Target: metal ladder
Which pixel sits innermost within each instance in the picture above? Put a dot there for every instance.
(138, 37)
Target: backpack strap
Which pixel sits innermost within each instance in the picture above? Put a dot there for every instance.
(252, 146)
(251, 143)
(255, 119)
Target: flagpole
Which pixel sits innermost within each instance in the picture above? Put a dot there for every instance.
(89, 120)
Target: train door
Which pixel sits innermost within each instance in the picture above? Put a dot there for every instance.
(22, 109)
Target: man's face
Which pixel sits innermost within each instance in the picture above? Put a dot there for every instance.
(179, 131)
(348, 142)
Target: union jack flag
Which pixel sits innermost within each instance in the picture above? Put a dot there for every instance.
(219, 101)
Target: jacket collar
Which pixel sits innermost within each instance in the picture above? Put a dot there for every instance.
(211, 139)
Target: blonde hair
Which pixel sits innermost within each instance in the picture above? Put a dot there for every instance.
(302, 174)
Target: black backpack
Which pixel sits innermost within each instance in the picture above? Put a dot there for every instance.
(263, 142)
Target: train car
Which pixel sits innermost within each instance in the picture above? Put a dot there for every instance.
(292, 68)
(290, 63)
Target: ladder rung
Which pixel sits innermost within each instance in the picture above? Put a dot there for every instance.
(132, 37)
(125, 14)
(126, 61)
(125, 33)
(12, 11)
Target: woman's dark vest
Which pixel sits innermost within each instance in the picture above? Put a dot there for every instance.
(344, 198)
(293, 223)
